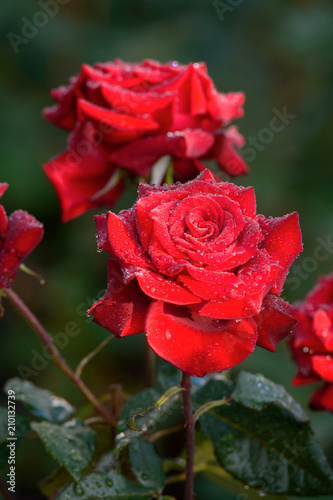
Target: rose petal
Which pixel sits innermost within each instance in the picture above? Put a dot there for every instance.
(23, 234)
(77, 179)
(124, 242)
(118, 120)
(323, 329)
(323, 366)
(322, 399)
(160, 288)
(123, 307)
(197, 345)
(283, 241)
(274, 322)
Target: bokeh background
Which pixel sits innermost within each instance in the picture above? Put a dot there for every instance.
(280, 53)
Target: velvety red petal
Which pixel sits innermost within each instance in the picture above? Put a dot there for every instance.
(23, 234)
(232, 105)
(160, 288)
(225, 150)
(124, 242)
(322, 326)
(118, 120)
(128, 101)
(123, 308)
(301, 379)
(77, 179)
(208, 291)
(274, 322)
(235, 308)
(322, 399)
(145, 224)
(194, 344)
(322, 293)
(283, 241)
(3, 215)
(323, 366)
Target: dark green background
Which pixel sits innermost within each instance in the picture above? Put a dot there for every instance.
(278, 52)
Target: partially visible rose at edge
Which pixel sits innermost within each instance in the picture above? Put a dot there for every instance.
(311, 343)
(199, 272)
(20, 233)
(128, 116)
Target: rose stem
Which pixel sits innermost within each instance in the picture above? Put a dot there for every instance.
(189, 426)
(47, 341)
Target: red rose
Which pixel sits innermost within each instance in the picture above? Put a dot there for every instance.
(311, 343)
(199, 272)
(129, 116)
(20, 233)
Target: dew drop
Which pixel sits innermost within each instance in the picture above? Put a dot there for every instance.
(144, 476)
(78, 490)
(168, 335)
(306, 349)
(109, 482)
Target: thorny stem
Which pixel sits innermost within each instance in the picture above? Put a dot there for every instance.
(47, 341)
(189, 426)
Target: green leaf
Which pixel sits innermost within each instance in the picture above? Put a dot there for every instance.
(257, 392)
(263, 437)
(22, 428)
(71, 444)
(107, 486)
(40, 402)
(143, 412)
(146, 464)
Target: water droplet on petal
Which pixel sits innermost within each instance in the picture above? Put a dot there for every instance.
(168, 335)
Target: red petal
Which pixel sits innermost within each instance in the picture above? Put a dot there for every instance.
(23, 235)
(323, 366)
(323, 398)
(3, 215)
(123, 307)
(323, 329)
(227, 282)
(118, 120)
(274, 322)
(225, 150)
(194, 344)
(283, 241)
(160, 288)
(77, 179)
(233, 308)
(124, 242)
(128, 101)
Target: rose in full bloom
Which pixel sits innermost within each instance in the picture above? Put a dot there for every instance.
(311, 343)
(199, 272)
(129, 115)
(20, 233)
